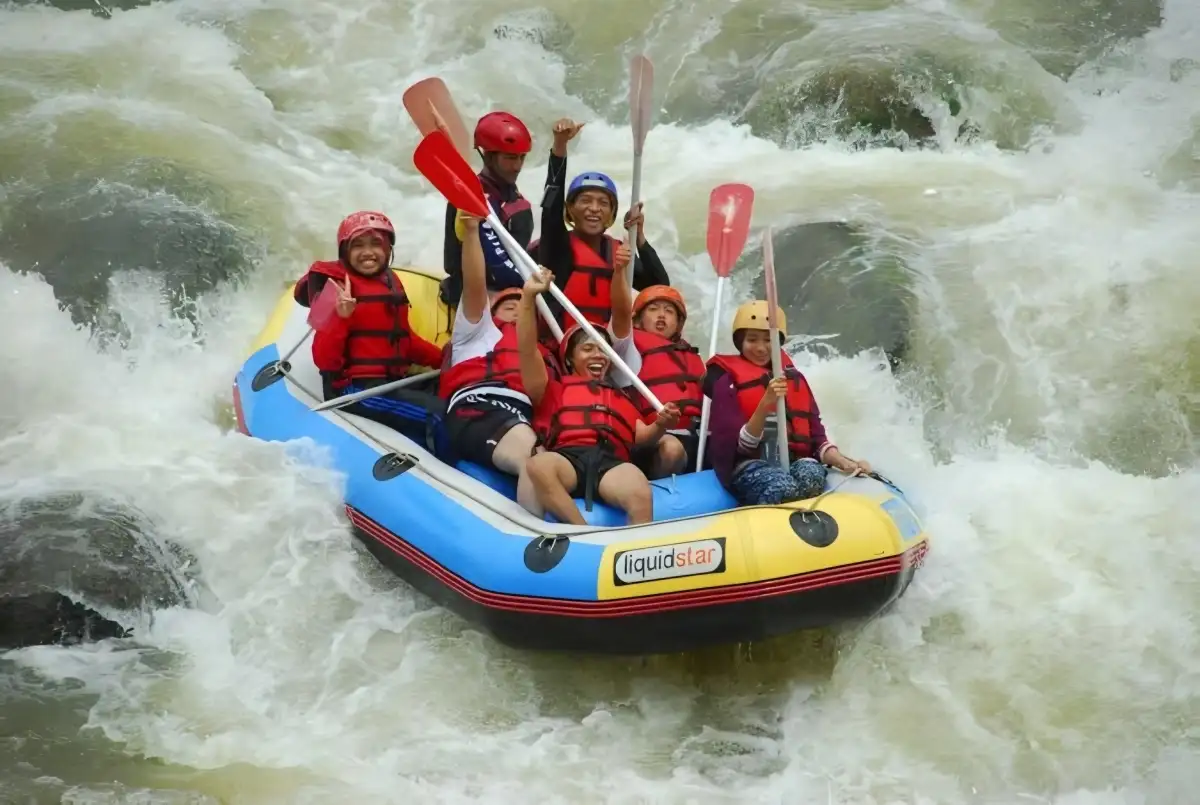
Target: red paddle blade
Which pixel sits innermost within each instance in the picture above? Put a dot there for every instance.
(768, 251)
(641, 99)
(729, 208)
(429, 104)
(440, 163)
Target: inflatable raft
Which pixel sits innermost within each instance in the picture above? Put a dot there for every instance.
(704, 572)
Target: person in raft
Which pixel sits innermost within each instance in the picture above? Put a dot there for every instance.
(743, 397)
(361, 337)
(573, 242)
(489, 415)
(502, 141)
(672, 369)
(587, 423)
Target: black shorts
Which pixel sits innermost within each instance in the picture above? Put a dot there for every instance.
(477, 423)
(600, 459)
(643, 457)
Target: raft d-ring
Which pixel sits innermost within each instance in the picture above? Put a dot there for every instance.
(545, 552)
(817, 528)
(271, 373)
(389, 465)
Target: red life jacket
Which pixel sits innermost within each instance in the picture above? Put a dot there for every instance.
(501, 366)
(590, 285)
(379, 339)
(589, 413)
(674, 371)
(750, 382)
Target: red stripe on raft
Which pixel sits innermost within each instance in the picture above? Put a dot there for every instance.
(646, 604)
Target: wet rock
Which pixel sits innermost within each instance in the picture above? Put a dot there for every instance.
(844, 286)
(99, 8)
(58, 552)
(1065, 34)
(719, 78)
(152, 218)
(49, 618)
(538, 26)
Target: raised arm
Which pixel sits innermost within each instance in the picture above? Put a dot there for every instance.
(474, 300)
(533, 368)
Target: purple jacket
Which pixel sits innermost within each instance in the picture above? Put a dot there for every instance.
(725, 423)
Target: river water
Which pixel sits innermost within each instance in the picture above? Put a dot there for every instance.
(165, 170)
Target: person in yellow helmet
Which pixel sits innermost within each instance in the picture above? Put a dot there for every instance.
(744, 394)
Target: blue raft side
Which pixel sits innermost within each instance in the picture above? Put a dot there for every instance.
(440, 528)
(696, 493)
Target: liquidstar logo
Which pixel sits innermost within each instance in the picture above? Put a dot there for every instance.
(669, 561)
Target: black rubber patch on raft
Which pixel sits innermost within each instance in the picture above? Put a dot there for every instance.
(272, 372)
(544, 553)
(816, 528)
(390, 465)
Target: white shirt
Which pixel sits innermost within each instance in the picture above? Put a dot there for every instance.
(475, 340)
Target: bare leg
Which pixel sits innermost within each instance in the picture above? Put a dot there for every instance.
(551, 476)
(626, 488)
(670, 458)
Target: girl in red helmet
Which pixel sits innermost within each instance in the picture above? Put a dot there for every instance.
(365, 340)
(503, 141)
(586, 420)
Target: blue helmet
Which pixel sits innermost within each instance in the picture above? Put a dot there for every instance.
(594, 180)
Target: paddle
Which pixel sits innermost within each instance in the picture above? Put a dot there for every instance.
(431, 107)
(729, 208)
(641, 110)
(429, 104)
(768, 250)
(346, 399)
(446, 170)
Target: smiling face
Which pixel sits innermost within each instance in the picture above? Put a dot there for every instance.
(592, 211)
(586, 358)
(756, 346)
(367, 253)
(661, 318)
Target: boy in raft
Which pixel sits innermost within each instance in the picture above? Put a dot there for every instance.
(672, 369)
(743, 396)
(588, 425)
(582, 257)
(503, 141)
(489, 415)
(362, 338)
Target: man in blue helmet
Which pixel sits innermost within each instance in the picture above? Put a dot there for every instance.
(574, 244)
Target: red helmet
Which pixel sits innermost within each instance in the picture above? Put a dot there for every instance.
(500, 131)
(356, 223)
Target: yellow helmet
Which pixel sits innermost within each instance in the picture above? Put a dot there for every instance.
(753, 316)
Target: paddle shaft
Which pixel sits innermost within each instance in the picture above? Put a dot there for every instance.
(525, 260)
(635, 196)
(705, 406)
(781, 423)
(346, 399)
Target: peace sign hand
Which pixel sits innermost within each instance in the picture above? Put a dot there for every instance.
(345, 299)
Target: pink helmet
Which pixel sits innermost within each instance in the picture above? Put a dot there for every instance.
(500, 131)
(357, 223)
